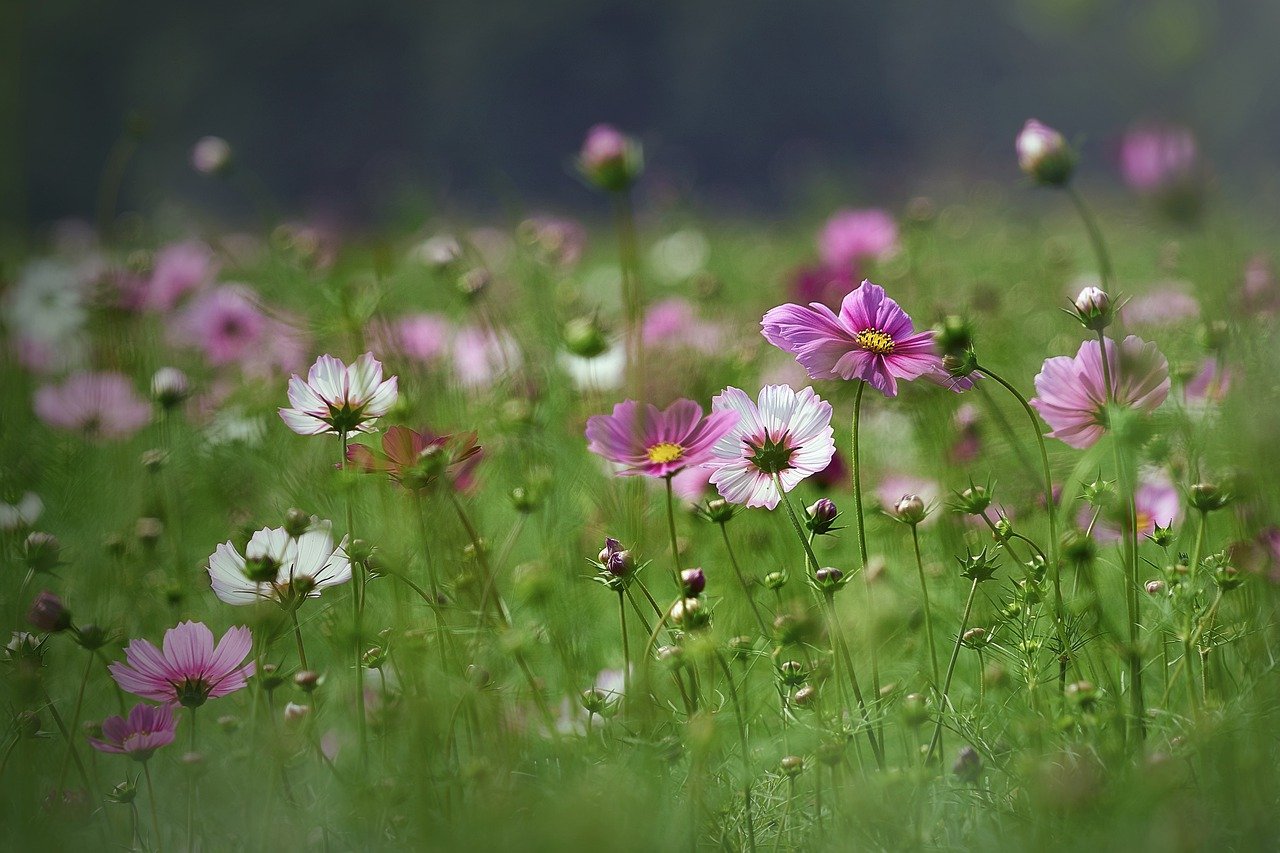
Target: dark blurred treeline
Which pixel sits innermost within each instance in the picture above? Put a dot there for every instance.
(364, 107)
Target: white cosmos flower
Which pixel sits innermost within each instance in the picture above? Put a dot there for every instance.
(46, 304)
(605, 372)
(787, 433)
(306, 565)
(339, 399)
(21, 514)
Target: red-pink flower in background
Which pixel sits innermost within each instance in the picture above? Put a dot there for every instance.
(178, 269)
(101, 405)
(852, 236)
(1071, 395)
(1154, 158)
(189, 670)
(147, 728)
(656, 442)
(674, 322)
(225, 323)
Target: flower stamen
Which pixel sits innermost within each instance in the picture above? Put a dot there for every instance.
(875, 341)
(664, 452)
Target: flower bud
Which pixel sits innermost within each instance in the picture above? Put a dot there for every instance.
(915, 710)
(1082, 694)
(269, 677)
(584, 337)
(1156, 587)
(719, 511)
(689, 614)
(792, 672)
(296, 522)
(1208, 497)
(123, 793)
(974, 500)
(210, 155)
(153, 460)
(609, 159)
(228, 723)
(474, 282)
(693, 582)
(616, 559)
(968, 765)
(1162, 536)
(975, 638)
(775, 581)
(295, 713)
(148, 530)
(261, 568)
(1043, 154)
(820, 516)
(92, 637)
(169, 387)
(47, 613)
(791, 766)
(1093, 309)
(307, 680)
(523, 500)
(829, 579)
(831, 752)
(910, 510)
(360, 551)
(805, 696)
(954, 337)
(42, 551)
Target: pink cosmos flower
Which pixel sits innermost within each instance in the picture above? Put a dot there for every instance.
(1167, 304)
(823, 284)
(147, 728)
(674, 323)
(1156, 501)
(190, 670)
(603, 145)
(871, 339)
(278, 567)
(179, 269)
(787, 434)
(101, 405)
(1155, 158)
(692, 484)
(1210, 384)
(1072, 399)
(225, 323)
(423, 337)
(653, 442)
(481, 356)
(339, 399)
(852, 236)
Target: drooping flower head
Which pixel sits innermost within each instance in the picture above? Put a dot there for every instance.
(190, 670)
(339, 399)
(279, 567)
(787, 434)
(852, 236)
(871, 339)
(146, 729)
(656, 443)
(417, 460)
(1071, 394)
(101, 405)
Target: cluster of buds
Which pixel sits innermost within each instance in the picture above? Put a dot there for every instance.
(609, 159)
(820, 517)
(1044, 155)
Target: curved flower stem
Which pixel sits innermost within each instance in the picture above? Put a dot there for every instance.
(671, 527)
(66, 734)
(951, 669)
(626, 645)
(1051, 508)
(855, 462)
(357, 607)
(151, 797)
(928, 615)
(297, 635)
(742, 581)
(75, 722)
(746, 754)
(632, 299)
(1095, 237)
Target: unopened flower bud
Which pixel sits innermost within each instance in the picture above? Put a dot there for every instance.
(910, 510)
(1083, 694)
(153, 460)
(968, 765)
(148, 530)
(805, 696)
(584, 337)
(296, 522)
(829, 579)
(169, 387)
(269, 676)
(1093, 309)
(1162, 536)
(820, 516)
(616, 559)
(975, 638)
(295, 713)
(610, 159)
(915, 710)
(229, 723)
(474, 282)
(42, 551)
(719, 511)
(1156, 587)
(689, 614)
(791, 765)
(775, 580)
(92, 637)
(693, 581)
(831, 752)
(360, 550)
(954, 337)
(307, 680)
(974, 500)
(123, 793)
(1044, 155)
(261, 568)
(792, 672)
(1208, 497)
(47, 613)
(523, 500)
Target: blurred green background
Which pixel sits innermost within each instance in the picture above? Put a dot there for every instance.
(364, 110)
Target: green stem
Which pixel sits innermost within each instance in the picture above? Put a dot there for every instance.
(1095, 237)
(855, 462)
(626, 644)
(632, 299)
(151, 797)
(951, 669)
(746, 754)
(742, 581)
(928, 615)
(671, 527)
(297, 635)
(357, 607)
(75, 755)
(75, 722)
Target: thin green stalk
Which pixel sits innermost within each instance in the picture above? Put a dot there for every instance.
(928, 615)
(742, 581)
(297, 635)
(626, 644)
(855, 461)
(671, 527)
(75, 722)
(75, 755)
(632, 299)
(357, 606)
(1095, 237)
(951, 669)
(746, 753)
(151, 797)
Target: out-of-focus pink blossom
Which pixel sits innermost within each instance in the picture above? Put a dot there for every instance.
(178, 269)
(852, 236)
(674, 322)
(225, 323)
(1154, 158)
(101, 405)
(1165, 305)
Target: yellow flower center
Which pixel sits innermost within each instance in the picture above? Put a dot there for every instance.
(665, 451)
(876, 341)
(1143, 521)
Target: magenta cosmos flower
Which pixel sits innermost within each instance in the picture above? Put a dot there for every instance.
(1071, 395)
(871, 339)
(189, 670)
(852, 236)
(1154, 158)
(101, 405)
(787, 434)
(147, 728)
(339, 399)
(653, 442)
